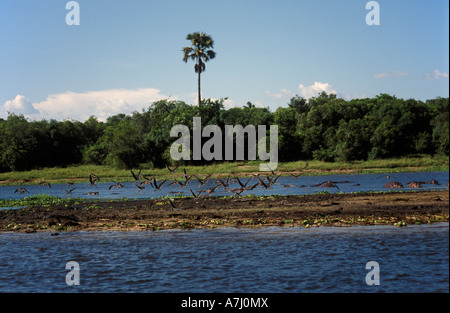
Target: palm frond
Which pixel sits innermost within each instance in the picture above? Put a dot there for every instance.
(187, 53)
(211, 54)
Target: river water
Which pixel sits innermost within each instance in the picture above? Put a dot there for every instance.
(230, 260)
(284, 186)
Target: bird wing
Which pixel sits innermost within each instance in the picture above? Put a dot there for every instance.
(134, 175)
(172, 204)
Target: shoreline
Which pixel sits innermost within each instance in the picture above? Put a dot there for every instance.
(339, 210)
(80, 173)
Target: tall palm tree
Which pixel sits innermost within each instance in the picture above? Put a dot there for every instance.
(200, 52)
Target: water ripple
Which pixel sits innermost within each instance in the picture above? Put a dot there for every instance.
(272, 259)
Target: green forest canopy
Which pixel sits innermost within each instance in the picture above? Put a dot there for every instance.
(323, 128)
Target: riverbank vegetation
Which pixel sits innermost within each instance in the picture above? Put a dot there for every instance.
(80, 173)
(322, 133)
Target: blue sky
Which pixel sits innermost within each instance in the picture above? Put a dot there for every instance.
(125, 55)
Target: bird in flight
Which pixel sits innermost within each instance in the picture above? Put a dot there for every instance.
(211, 190)
(242, 184)
(172, 170)
(134, 175)
(93, 179)
(273, 181)
(173, 205)
(156, 185)
(45, 184)
(202, 181)
(70, 191)
(182, 184)
(236, 191)
(225, 183)
(139, 187)
(21, 190)
(262, 183)
(116, 185)
(196, 196)
(252, 186)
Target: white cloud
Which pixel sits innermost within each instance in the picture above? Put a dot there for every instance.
(308, 92)
(436, 75)
(283, 94)
(228, 104)
(18, 105)
(349, 97)
(259, 104)
(79, 106)
(393, 74)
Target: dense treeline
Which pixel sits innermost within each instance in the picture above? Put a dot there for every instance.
(324, 128)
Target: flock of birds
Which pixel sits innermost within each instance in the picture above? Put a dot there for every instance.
(142, 182)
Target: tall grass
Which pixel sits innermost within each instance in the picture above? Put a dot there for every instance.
(80, 173)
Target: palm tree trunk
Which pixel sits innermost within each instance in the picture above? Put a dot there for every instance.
(199, 95)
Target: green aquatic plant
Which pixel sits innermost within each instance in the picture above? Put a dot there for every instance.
(39, 200)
